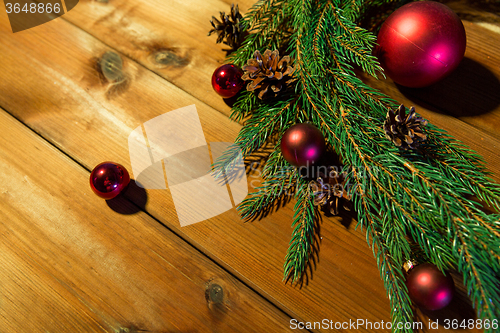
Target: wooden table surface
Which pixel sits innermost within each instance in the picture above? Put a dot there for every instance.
(71, 262)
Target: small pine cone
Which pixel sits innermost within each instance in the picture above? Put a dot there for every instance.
(330, 191)
(267, 73)
(229, 27)
(404, 130)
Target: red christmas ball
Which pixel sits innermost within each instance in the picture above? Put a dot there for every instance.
(429, 288)
(227, 81)
(421, 43)
(109, 179)
(302, 144)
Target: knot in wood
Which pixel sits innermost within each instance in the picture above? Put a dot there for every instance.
(170, 58)
(111, 66)
(216, 293)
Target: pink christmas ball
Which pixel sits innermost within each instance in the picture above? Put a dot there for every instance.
(421, 43)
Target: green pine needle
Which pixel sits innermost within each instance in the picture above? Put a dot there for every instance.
(427, 198)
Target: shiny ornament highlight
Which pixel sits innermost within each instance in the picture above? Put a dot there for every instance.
(421, 43)
(109, 179)
(429, 288)
(302, 145)
(227, 81)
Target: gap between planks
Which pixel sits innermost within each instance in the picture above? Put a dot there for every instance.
(173, 231)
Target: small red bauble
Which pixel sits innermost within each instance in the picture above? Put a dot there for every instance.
(421, 43)
(302, 145)
(429, 288)
(227, 81)
(109, 179)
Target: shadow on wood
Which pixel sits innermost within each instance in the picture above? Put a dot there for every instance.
(232, 100)
(137, 194)
(475, 10)
(476, 85)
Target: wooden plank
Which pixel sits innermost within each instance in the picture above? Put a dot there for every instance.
(168, 37)
(477, 79)
(50, 83)
(483, 12)
(71, 264)
(143, 29)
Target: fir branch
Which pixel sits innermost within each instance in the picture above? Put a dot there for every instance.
(279, 181)
(280, 186)
(318, 34)
(244, 106)
(403, 203)
(390, 269)
(276, 164)
(253, 135)
(266, 25)
(305, 78)
(303, 236)
(352, 9)
(480, 272)
(353, 42)
(464, 166)
(424, 194)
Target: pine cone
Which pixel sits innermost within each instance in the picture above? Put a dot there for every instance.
(329, 191)
(404, 130)
(267, 73)
(229, 27)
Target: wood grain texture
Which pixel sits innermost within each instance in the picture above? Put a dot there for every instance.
(50, 83)
(71, 264)
(483, 12)
(65, 102)
(142, 30)
(477, 80)
(167, 37)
